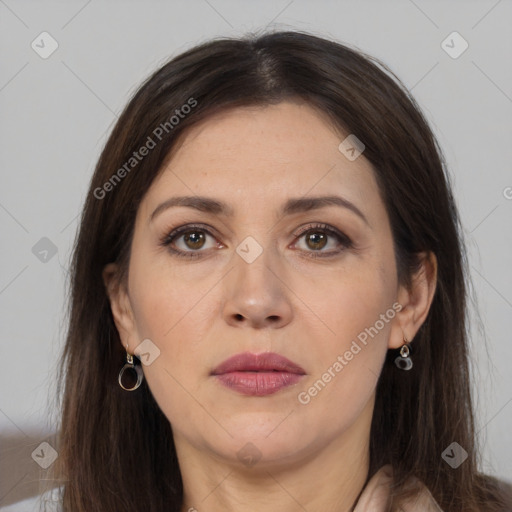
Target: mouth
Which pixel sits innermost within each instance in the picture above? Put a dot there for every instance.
(258, 374)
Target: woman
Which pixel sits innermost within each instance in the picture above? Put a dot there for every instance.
(270, 230)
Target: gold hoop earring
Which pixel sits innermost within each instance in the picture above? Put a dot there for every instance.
(130, 366)
(403, 361)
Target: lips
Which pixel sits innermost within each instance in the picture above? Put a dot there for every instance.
(265, 362)
(258, 374)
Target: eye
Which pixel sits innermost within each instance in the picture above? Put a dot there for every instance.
(186, 241)
(318, 236)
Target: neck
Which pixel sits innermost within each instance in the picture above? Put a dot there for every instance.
(328, 479)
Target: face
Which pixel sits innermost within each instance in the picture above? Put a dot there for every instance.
(315, 283)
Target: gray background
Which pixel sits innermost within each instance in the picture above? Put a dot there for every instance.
(56, 113)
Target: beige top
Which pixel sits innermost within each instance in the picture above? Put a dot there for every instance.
(375, 495)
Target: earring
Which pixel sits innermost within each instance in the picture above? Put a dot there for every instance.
(403, 361)
(129, 365)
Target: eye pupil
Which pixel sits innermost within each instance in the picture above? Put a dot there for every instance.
(318, 239)
(195, 237)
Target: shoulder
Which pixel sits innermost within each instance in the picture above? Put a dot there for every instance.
(49, 501)
(28, 505)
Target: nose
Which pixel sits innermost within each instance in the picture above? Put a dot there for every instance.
(256, 294)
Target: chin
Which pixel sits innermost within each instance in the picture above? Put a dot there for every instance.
(263, 441)
(261, 453)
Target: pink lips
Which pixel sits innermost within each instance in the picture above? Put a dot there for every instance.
(258, 374)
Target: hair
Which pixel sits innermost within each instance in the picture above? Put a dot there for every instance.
(116, 448)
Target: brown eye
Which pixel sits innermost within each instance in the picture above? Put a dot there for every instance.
(194, 239)
(316, 240)
(189, 241)
(313, 239)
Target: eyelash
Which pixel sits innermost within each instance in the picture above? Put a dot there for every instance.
(344, 240)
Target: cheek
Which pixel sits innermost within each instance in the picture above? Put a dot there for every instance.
(357, 311)
(174, 317)
(165, 294)
(176, 322)
(173, 308)
(348, 300)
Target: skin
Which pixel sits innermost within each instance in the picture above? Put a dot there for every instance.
(200, 311)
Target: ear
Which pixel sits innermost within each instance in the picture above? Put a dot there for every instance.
(415, 301)
(120, 305)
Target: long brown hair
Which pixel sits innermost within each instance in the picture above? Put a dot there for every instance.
(116, 448)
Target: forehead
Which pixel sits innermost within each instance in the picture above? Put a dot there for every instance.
(258, 156)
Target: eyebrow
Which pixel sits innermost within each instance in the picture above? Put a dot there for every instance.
(293, 205)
